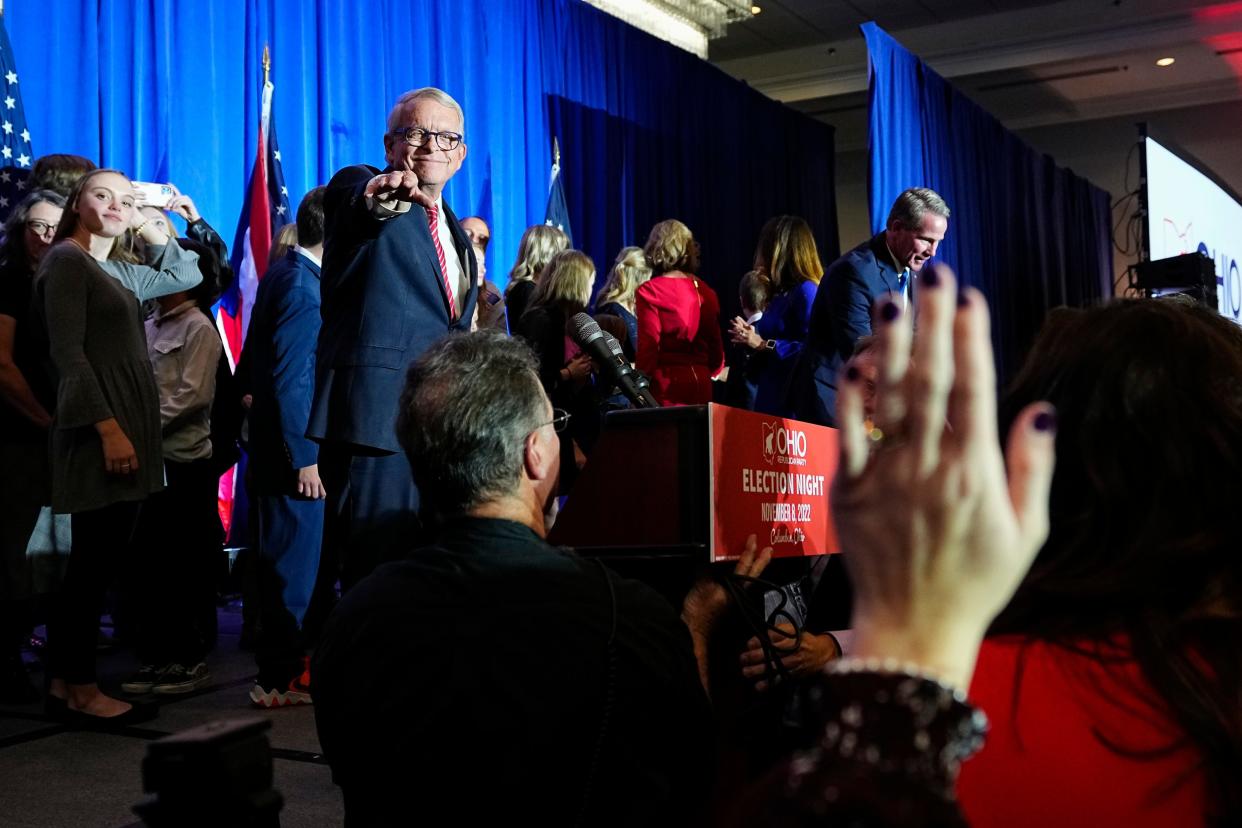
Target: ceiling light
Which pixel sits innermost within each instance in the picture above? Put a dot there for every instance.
(688, 24)
(1166, 61)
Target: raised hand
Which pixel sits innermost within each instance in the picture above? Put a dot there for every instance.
(937, 534)
(183, 206)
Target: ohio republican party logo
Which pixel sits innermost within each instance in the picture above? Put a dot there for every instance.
(784, 446)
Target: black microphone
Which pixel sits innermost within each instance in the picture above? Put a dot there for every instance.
(614, 345)
(640, 379)
(593, 340)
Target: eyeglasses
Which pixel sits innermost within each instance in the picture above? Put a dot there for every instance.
(41, 228)
(417, 136)
(560, 419)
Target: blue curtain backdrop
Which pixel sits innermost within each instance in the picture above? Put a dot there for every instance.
(1029, 234)
(169, 90)
(722, 176)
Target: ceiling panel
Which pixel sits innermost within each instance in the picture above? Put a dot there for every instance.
(793, 24)
(957, 9)
(743, 40)
(1030, 62)
(828, 15)
(895, 14)
(781, 25)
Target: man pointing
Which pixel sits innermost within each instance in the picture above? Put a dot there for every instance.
(398, 274)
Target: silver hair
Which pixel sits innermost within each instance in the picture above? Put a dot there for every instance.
(468, 405)
(913, 204)
(431, 93)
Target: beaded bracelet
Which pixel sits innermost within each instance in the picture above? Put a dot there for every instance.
(894, 718)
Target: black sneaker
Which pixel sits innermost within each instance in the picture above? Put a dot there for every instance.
(143, 680)
(177, 679)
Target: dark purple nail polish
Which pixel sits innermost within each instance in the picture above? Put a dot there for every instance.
(931, 278)
(1045, 421)
(962, 299)
(889, 311)
(852, 374)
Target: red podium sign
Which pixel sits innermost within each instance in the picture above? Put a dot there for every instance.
(770, 478)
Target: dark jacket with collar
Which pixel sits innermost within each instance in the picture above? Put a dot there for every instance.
(840, 316)
(217, 270)
(474, 680)
(280, 363)
(383, 305)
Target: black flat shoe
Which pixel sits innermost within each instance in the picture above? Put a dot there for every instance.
(137, 714)
(54, 706)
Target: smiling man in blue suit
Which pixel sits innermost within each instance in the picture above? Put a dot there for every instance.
(398, 275)
(841, 315)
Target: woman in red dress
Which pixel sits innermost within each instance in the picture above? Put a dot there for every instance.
(1113, 680)
(679, 342)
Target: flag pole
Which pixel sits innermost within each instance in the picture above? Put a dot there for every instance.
(267, 58)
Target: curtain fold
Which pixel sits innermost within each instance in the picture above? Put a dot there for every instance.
(169, 90)
(1029, 234)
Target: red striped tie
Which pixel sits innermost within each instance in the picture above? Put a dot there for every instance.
(433, 223)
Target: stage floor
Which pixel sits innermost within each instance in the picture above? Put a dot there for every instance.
(52, 776)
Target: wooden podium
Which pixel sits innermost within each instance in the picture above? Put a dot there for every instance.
(644, 492)
(670, 490)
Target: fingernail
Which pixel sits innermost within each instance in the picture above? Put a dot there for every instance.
(931, 278)
(1045, 421)
(962, 299)
(852, 374)
(889, 311)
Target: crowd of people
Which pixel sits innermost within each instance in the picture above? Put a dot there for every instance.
(1039, 633)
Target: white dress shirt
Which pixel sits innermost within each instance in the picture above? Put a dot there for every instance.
(905, 289)
(297, 248)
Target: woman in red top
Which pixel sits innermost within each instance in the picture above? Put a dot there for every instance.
(679, 343)
(1113, 680)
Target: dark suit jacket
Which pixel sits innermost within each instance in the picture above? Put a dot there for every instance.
(840, 316)
(543, 328)
(279, 363)
(383, 305)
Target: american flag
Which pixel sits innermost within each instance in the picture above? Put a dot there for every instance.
(15, 153)
(265, 211)
(557, 212)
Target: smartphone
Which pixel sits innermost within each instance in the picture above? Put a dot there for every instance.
(155, 195)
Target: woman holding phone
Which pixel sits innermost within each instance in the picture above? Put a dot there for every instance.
(106, 451)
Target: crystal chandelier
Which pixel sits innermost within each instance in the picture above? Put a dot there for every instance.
(687, 24)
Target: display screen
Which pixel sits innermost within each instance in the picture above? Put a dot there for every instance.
(1186, 212)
